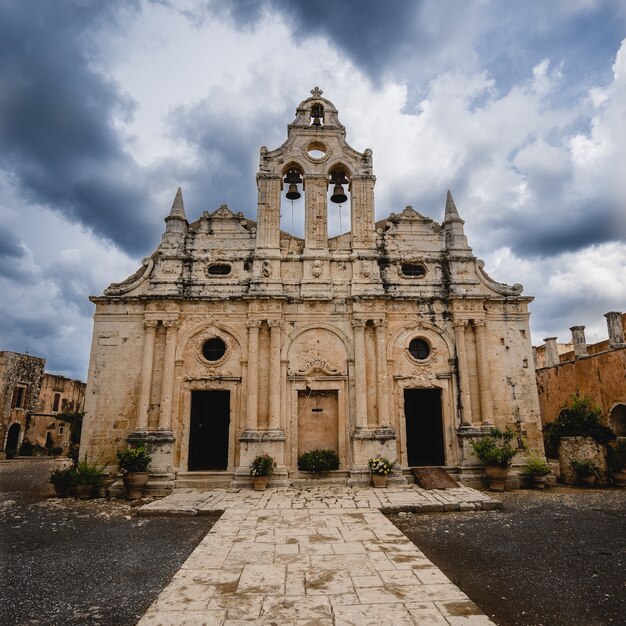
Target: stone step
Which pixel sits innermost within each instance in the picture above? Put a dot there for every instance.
(203, 480)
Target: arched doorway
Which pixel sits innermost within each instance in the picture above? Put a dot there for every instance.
(13, 437)
(617, 419)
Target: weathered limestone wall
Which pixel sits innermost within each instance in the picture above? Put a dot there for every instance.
(581, 449)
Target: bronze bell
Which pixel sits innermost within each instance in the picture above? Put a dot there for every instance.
(339, 196)
(292, 179)
(292, 192)
(316, 121)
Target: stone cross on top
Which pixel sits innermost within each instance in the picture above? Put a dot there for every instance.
(316, 92)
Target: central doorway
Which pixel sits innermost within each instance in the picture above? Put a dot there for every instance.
(208, 430)
(318, 421)
(424, 427)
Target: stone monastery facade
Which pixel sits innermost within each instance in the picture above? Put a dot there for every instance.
(235, 337)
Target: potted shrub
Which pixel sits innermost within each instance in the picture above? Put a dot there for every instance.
(496, 451)
(586, 471)
(537, 470)
(56, 451)
(380, 468)
(88, 478)
(617, 462)
(261, 469)
(11, 453)
(134, 463)
(62, 479)
(318, 461)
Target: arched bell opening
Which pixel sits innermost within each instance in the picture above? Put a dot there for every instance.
(317, 115)
(338, 201)
(292, 200)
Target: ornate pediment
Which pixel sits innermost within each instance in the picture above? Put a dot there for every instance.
(316, 365)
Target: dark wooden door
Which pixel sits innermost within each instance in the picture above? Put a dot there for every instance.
(424, 427)
(208, 432)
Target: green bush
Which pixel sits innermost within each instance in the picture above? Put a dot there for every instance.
(56, 451)
(496, 448)
(585, 467)
(63, 477)
(262, 465)
(134, 459)
(318, 461)
(27, 448)
(535, 466)
(11, 453)
(580, 418)
(381, 466)
(87, 473)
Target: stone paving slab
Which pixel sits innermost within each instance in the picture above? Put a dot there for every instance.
(316, 556)
(410, 498)
(309, 567)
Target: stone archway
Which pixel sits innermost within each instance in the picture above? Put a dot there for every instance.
(13, 437)
(617, 419)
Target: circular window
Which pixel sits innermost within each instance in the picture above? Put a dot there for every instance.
(213, 349)
(316, 150)
(419, 349)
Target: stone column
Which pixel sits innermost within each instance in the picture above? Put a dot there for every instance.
(552, 352)
(268, 212)
(253, 374)
(466, 403)
(484, 379)
(615, 328)
(167, 386)
(274, 377)
(579, 341)
(360, 382)
(145, 385)
(382, 383)
(316, 216)
(362, 211)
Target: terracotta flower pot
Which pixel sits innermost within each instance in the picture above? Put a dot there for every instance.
(379, 480)
(84, 491)
(539, 482)
(60, 491)
(259, 482)
(588, 481)
(135, 483)
(496, 477)
(619, 478)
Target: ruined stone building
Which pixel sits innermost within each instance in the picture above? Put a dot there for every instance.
(31, 398)
(235, 337)
(597, 370)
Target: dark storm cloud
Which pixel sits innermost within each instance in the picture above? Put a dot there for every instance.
(10, 254)
(57, 111)
(370, 32)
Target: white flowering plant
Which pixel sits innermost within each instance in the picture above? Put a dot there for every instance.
(380, 465)
(262, 465)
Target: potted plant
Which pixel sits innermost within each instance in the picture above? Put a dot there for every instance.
(496, 451)
(380, 468)
(318, 461)
(261, 469)
(134, 463)
(62, 479)
(537, 470)
(586, 471)
(88, 478)
(617, 462)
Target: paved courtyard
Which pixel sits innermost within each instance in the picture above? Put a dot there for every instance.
(317, 556)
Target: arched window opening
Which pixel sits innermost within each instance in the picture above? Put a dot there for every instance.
(413, 270)
(317, 115)
(617, 420)
(213, 349)
(338, 203)
(292, 201)
(419, 349)
(219, 269)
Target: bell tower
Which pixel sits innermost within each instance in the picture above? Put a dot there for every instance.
(315, 158)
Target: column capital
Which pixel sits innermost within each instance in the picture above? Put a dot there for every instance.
(358, 323)
(479, 324)
(254, 323)
(275, 323)
(150, 324)
(382, 324)
(171, 324)
(459, 324)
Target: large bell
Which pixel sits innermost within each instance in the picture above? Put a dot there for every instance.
(292, 179)
(339, 195)
(292, 192)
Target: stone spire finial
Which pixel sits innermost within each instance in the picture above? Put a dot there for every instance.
(316, 92)
(178, 208)
(451, 214)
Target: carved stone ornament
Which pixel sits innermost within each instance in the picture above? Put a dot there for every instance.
(266, 269)
(501, 288)
(116, 289)
(316, 365)
(317, 268)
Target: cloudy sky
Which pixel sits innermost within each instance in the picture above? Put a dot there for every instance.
(106, 107)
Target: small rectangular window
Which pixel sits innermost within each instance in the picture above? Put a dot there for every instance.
(61, 430)
(55, 403)
(19, 397)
